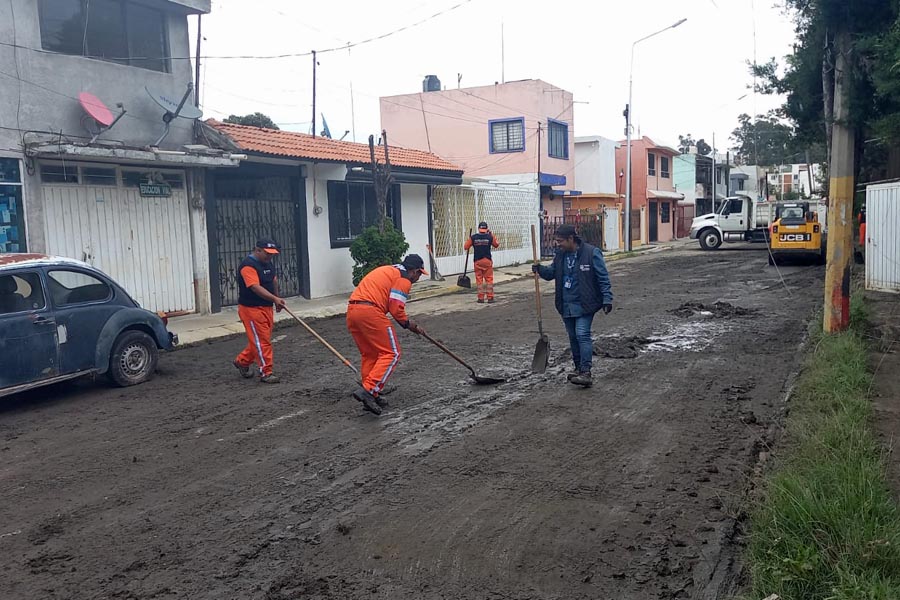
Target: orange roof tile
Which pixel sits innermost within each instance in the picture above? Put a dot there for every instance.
(304, 146)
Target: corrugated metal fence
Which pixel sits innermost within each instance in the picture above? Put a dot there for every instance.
(883, 237)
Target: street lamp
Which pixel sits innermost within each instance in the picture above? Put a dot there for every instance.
(628, 135)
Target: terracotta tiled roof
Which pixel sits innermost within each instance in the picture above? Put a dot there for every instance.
(300, 145)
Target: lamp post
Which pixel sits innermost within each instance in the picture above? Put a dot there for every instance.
(628, 135)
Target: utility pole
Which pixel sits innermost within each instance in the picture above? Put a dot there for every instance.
(840, 201)
(314, 94)
(197, 62)
(714, 179)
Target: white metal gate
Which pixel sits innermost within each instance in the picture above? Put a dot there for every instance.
(142, 243)
(611, 229)
(883, 237)
(508, 210)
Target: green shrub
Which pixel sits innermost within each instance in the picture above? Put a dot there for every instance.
(373, 249)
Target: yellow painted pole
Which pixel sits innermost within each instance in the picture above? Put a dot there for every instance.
(840, 201)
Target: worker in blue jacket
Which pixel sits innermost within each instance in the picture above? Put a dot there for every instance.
(582, 289)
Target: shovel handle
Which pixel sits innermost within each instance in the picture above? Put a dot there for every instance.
(447, 351)
(537, 282)
(324, 343)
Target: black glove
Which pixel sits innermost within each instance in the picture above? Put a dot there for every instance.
(607, 308)
(414, 327)
(536, 268)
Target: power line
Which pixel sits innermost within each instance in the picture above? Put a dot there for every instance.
(261, 56)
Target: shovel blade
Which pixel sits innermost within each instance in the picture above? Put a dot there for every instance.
(541, 356)
(482, 380)
(464, 281)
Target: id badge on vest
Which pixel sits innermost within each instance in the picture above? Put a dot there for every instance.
(567, 282)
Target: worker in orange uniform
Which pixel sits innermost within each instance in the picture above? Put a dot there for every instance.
(483, 242)
(384, 290)
(257, 293)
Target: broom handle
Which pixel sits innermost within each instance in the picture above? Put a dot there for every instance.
(466, 268)
(324, 343)
(537, 282)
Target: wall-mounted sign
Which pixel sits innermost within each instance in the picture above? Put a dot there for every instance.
(155, 190)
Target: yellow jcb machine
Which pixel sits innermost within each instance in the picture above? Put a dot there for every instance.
(796, 232)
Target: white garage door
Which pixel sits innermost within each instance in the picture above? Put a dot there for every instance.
(144, 243)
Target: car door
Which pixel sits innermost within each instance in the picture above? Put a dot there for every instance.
(83, 302)
(28, 343)
(733, 219)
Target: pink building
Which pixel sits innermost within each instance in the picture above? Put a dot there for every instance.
(653, 196)
(520, 131)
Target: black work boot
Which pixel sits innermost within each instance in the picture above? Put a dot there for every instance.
(572, 375)
(584, 379)
(369, 401)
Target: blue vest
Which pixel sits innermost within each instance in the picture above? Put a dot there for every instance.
(266, 273)
(590, 295)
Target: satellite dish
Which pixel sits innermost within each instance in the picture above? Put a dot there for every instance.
(98, 118)
(174, 108)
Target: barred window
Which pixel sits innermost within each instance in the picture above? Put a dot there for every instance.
(507, 135)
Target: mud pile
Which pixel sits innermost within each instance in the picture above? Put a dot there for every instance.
(718, 310)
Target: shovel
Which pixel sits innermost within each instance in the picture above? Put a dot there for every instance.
(463, 280)
(542, 349)
(327, 345)
(434, 270)
(477, 378)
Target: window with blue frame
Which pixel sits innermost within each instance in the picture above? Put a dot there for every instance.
(12, 221)
(507, 135)
(557, 139)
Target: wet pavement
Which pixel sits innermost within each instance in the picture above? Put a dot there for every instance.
(202, 485)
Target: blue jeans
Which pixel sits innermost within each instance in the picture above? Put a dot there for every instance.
(579, 329)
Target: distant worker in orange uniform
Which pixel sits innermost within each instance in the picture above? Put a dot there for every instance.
(483, 242)
(384, 290)
(257, 293)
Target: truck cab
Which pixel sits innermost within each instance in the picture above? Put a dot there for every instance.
(796, 232)
(737, 218)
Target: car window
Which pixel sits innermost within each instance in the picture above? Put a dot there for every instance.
(21, 292)
(74, 287)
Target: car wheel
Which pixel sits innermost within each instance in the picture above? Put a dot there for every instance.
(710, 239)
(133, 358)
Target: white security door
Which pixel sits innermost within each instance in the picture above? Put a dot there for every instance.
(144, 243)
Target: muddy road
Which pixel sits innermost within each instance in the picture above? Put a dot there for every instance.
(202, 485)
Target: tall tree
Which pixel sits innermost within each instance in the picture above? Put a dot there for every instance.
(767, 140)
(257, 119)
(685, 142)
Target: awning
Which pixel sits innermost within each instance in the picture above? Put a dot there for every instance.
(551, 179)
(122, 155)
(664, 195)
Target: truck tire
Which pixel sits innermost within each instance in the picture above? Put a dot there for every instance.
(710, 239)
(133, 358)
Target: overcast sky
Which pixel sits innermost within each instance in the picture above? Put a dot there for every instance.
(692, 79)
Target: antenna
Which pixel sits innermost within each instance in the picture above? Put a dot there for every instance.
(97, 118)
(502, 53)
(174, 108)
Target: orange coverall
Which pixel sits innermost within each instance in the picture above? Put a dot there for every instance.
(382, 291)
(484, 270)
(258, 322)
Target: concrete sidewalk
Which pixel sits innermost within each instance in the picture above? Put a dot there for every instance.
(195, 329)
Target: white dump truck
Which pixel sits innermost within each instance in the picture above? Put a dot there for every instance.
(740, 219)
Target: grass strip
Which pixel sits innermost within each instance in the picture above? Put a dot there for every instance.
(827, 525)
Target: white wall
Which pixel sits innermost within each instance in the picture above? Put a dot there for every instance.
(414, 214)
(331, 269)
(595, 165)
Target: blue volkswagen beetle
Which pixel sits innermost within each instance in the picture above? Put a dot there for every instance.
(61, 318)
